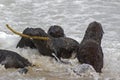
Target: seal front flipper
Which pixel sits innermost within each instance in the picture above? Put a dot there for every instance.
(23, 70)
(59, 60)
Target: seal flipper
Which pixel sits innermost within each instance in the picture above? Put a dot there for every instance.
(23, 70)
(59, 60)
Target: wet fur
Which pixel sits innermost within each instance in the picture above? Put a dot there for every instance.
(63, 47)
(56, 31)
(91, 53)
(26, 42)
(90, 50)
(94, 31)
(11, 59)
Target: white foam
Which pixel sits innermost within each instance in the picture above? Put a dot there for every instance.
(1, 5)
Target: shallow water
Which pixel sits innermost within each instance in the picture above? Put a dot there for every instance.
(74, 16)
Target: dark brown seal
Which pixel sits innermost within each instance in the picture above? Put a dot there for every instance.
(11, 59)
(90, 51)
(63, 47)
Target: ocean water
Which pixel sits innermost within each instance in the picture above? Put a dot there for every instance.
(73, 16)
